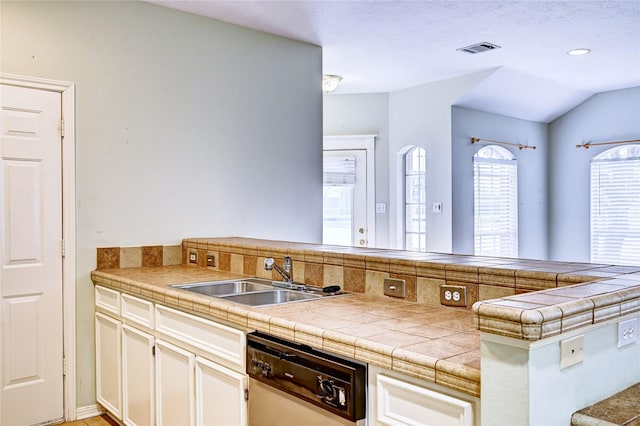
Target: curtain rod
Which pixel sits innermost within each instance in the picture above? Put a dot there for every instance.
(588, 144)
(519, 145)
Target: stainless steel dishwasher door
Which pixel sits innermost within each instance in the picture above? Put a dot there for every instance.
(269, 406)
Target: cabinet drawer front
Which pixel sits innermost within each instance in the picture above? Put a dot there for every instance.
(224, 345)
(401, 403)
(137, 310)
(107, 299)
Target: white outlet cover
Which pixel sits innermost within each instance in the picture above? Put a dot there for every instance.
(627, 332)
(571, 351)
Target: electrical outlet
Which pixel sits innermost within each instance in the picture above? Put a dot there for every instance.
(211, 260)
(627, 332)
(193, 257)
(571, 351)
(453, 295)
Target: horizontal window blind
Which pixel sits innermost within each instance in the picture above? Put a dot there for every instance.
(495, 209)
(615, 210)
(339, 170)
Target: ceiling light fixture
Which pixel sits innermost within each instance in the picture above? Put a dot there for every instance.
(578, 52)
(330, 83)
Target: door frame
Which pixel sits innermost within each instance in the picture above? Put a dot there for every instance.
(366, 142)
(67, 90)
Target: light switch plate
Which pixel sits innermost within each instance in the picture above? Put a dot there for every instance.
(571, 351)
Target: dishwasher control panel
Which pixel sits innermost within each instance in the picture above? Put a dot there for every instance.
(334, 383)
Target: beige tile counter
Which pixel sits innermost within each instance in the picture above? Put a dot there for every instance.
(434, 343)
(518, 298)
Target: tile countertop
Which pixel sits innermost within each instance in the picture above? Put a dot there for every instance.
(434, 343)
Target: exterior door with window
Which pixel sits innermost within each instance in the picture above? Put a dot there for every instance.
(344, 198)
(31, 341)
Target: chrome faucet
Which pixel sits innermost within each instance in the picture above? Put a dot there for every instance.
(287, 272)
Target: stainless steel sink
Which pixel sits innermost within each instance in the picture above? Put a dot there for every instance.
(270, 297)
(254, 291)
(221, 288)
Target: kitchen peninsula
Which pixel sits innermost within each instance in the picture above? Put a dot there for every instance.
(508, 337)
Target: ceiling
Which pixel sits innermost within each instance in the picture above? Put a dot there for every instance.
(385, 46)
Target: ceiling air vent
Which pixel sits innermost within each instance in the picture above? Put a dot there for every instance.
(479, 48)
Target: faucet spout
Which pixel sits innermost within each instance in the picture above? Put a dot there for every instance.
(286, 272)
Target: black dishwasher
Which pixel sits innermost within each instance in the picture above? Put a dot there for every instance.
(297, 372)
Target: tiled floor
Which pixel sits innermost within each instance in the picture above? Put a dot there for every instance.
(103, 420)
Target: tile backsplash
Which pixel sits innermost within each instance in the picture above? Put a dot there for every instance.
(133, 257)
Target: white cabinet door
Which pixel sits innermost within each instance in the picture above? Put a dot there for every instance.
(400, 403)
(138, 377)
(220, 395)
(175, 400)
(108, 363)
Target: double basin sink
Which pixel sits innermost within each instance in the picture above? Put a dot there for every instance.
(254, 291)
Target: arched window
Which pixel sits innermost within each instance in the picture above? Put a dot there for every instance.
(495, 202)
(615, 206)
(415, 211)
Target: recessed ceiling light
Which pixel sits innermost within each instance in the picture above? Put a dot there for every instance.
(578, 52)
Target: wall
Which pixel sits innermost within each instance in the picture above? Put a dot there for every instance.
(186, 126)
(524, 385)
(421, 116)
(607, 116)
(366, 114)
(533, 176)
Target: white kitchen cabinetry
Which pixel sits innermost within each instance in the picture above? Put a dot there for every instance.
(175, 390)
(395, 399)
(138, 367)
(138, 377)
(218, 391)
(219, 395)
(108, 364)
(159, 366)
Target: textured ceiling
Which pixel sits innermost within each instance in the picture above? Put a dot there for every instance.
(385, 46)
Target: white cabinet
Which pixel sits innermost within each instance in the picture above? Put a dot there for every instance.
(217, 353)
(108, 363)
(138, 377)
(175, 390)
(396, 400)
(220, 395)
(159, 366)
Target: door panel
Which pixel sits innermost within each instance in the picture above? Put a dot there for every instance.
(31, 338)
(345, 198)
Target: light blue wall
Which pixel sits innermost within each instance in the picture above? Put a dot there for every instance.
(421, 116)
(185, 126)
(607, 116)
(532, 176)
(366, 114)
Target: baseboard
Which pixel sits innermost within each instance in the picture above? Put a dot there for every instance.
(89, 411)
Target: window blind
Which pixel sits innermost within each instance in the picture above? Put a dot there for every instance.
(339, 170)
(615, 211)
(495, 209)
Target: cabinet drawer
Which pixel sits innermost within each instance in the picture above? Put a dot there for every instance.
(224, 345)
(400, 403)
(107, 299)
(137, 310)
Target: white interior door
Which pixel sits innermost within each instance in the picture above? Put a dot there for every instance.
(344, 200)
(31, 332)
